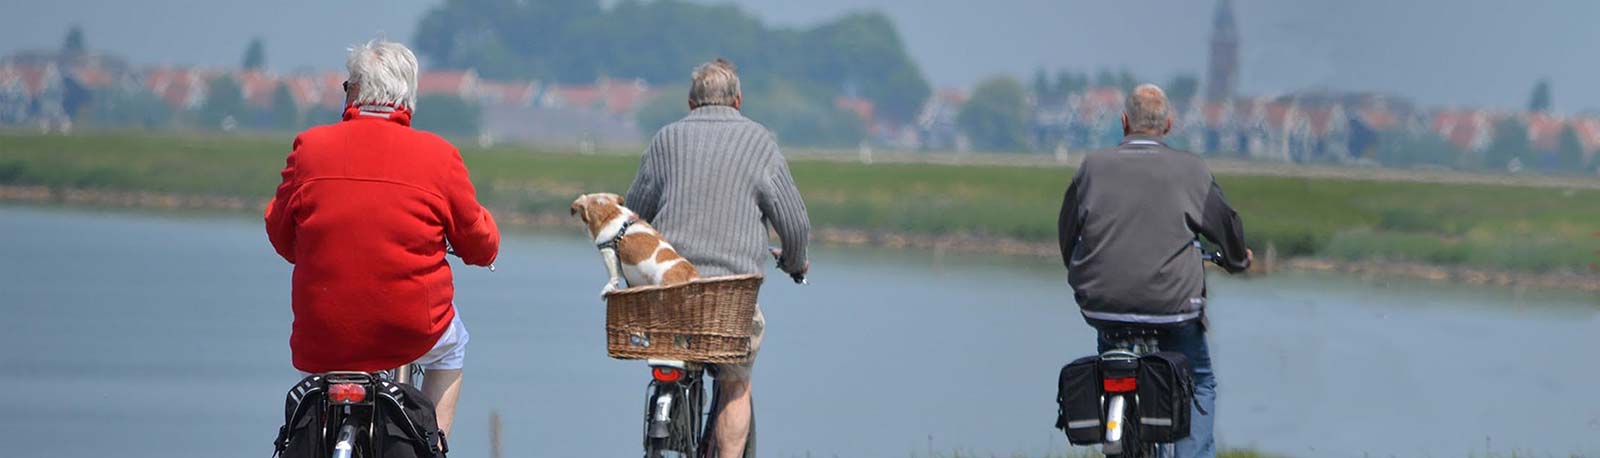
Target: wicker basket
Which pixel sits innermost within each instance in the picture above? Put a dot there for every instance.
(706, 320)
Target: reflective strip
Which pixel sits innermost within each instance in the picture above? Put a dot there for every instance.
(1137, 318)
(1143, 142)
(1156, 421)
(1080, 424)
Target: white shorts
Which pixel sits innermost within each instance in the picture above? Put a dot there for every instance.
(736, 372)
(450, 352)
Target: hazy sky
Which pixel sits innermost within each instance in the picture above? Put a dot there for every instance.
(1441, 52)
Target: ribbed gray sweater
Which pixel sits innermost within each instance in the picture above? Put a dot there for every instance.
(711, 183)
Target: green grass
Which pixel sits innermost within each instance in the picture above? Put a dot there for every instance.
(1529, 229)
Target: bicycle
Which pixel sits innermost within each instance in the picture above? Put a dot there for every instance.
(1119, 368)
(350, 403)
(675, 409)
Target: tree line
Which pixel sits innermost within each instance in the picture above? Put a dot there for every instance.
(660, 41)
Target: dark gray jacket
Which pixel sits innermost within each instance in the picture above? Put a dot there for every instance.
(1128, 224)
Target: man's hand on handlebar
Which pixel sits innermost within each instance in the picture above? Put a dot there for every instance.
(799, 277)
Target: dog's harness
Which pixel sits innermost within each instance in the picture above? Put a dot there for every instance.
(622, 232)
(615, 264)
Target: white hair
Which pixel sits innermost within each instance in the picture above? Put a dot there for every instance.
(1147, 110)
(384, 73)
(714, 83)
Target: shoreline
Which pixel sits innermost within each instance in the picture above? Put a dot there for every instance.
(961, 243)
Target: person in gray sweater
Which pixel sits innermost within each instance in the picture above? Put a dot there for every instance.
(711, 183)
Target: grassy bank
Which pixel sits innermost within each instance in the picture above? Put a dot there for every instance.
(1518, 228)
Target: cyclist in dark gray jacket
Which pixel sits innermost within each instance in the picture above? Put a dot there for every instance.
(1128, 226)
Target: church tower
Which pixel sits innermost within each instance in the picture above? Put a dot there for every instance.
(1223, 77)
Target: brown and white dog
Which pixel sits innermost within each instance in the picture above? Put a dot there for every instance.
(630, 245)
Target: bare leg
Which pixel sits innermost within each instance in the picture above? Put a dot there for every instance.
(733, 417)
(443, 387)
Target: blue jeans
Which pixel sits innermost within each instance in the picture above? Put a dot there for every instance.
(1190, 339)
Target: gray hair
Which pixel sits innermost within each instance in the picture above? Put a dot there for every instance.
(714, 83)
(384, 73)
(1147, 110)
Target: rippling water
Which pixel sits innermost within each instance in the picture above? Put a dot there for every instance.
(141, 335)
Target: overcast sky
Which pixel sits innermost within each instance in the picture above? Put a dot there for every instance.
(1440, 52)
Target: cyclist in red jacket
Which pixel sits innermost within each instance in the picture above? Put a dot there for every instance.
(365, 212)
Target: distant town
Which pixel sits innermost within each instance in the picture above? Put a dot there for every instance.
(71, 88)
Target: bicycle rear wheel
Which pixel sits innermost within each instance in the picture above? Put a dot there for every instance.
(1131, 445)
(678, 436)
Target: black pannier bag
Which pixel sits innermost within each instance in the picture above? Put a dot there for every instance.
(1078, 402)
(1166, 394)
(405, 425)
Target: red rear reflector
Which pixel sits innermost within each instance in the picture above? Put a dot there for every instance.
(666, 374)
(347, 393)
(1121, 385)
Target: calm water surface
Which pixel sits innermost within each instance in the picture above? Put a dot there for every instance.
(141, 335)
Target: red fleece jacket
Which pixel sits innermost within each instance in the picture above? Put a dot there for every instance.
(364, 211)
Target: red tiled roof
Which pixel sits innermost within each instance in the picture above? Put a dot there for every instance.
(614, 97)
(1464, 129)
(1214, 114)
(508, 93)
(177, 86)
(34, 78)
(94, 77)
(446, 82)
(1544, 130)
(1323, 120)
(1588, 133)
(1099, 100)
(1278, 114)
(316, 90)
(1378, 118)
(862, 108)
(257, 88)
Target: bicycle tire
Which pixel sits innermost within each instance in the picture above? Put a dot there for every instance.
(1132, 446)
(655, 448)
(683, 420)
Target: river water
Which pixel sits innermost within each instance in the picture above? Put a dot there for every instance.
(140, 335)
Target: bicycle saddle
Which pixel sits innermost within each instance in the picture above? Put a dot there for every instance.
(1128, 332)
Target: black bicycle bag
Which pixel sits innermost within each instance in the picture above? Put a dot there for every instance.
(403, 422)
(1078, 402)
(1166, 392)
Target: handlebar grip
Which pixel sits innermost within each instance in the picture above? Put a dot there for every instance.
(452, 252)
(777, 255)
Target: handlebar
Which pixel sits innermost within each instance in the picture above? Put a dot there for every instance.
(777, 254)
(452, 252)
(1211, 256)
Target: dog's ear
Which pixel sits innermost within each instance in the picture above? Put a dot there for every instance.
(578, 210)
(619, 200)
